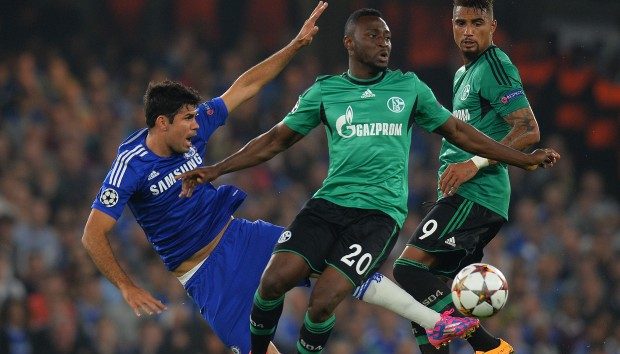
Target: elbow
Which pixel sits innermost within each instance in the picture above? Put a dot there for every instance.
(533, 138)
(534, 133)
(536, 136)
(85, 240)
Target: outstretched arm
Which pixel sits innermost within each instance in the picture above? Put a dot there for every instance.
(251, 81)
(472, 140)
(96, 242)
(258, 150)
(523, 133)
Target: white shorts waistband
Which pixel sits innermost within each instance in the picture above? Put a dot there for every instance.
(187, 276)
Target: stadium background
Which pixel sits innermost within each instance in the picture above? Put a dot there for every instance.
(72, 75)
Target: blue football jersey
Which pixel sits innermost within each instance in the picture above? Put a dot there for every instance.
(176, 227)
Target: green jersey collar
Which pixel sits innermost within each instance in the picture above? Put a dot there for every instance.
(372, 80)
(480, 56)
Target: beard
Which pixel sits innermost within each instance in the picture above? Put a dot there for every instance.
(471, 56)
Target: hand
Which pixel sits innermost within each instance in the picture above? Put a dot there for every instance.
(195, 177)
(309, 29)
(544, 158)
(141, 301)
(455, 175)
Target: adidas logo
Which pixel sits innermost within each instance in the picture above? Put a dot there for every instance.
(153, 175)
(367, 94)
(451, 242)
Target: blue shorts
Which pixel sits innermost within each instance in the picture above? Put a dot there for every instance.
(224, 286)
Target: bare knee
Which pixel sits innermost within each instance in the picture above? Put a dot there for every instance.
(322, 306)
(283, 272)
(418, 255)
(328, 292)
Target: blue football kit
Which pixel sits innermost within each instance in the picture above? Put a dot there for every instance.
(223, 285)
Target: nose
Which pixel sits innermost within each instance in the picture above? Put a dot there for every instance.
(383, 41)
(469, 30)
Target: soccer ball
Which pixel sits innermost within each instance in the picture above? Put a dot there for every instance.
(479, 290)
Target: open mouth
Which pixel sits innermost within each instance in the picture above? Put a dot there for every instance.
(189, 140)
(384, 56)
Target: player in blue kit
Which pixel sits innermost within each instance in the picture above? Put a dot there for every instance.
(198, 239)
(218, 258)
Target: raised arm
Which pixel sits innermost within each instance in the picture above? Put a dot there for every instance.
(251, 81)
(96, 242)
(258, 150)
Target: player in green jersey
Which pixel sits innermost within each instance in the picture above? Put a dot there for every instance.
(474, 192)
(345, 232)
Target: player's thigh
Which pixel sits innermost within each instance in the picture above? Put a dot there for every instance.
(455, 232)
(261, 239)
(310, 235)
(480, 227)
(284, 271)
(444, 216)
(224, 285)
(328, 291)
(363, 244)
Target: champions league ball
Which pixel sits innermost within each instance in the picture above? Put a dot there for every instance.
(479, 290)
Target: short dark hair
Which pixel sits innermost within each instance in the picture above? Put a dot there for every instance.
(166, 98)
(352, 20)
(483, 5)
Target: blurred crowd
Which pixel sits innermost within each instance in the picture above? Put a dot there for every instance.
(72, 76)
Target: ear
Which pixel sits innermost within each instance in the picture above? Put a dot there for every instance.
(162, 122)
(348, 43)
(493, 26)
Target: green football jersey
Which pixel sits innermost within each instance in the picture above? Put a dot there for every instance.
(368, 125)
(485, 91)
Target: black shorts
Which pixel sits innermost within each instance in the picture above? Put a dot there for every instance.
(354, 241)
(455, 231)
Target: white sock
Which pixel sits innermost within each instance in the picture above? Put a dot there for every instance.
(380, 290)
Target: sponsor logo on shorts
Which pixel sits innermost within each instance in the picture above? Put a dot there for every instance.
(235, 350)
(511, 95)
(451, 242)
(286, 235)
